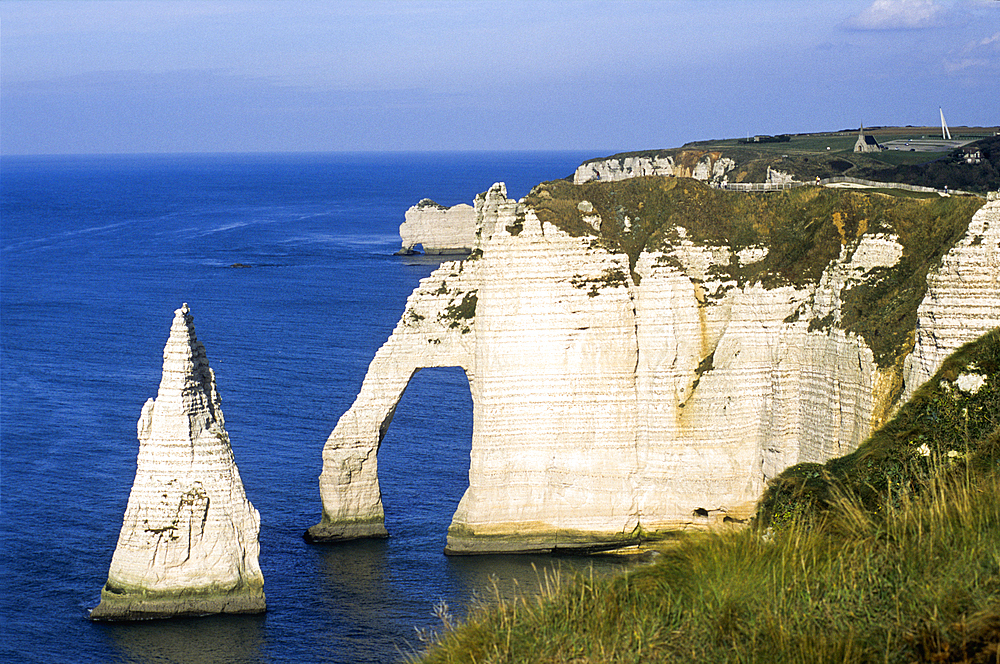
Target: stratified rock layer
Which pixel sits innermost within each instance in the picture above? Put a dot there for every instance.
(189, 540)
(962, 301)
(619, 397)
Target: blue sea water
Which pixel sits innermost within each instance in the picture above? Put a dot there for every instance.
(97, 252)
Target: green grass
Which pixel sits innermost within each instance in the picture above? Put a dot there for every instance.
(940, 425)
(904, 157)
(897, 560)
(805, 143)
(918, 582)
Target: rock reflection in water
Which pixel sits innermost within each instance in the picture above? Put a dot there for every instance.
(207, 640)
(492, 578)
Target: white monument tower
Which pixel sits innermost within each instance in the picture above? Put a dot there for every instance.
(945, 134)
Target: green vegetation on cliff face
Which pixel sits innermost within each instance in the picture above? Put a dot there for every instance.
(459, 313)
(904, 570)
(803, 229)
(952, 420)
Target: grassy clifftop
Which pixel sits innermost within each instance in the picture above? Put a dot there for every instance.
(807, 156)
(893, 561)
(803, 229)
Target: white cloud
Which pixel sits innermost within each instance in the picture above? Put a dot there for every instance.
(980, 54)
(898, 15)
(992, 42)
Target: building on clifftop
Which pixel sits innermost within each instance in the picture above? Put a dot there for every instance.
(866, 142)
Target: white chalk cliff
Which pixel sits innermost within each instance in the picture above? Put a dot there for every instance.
(963, 297)
(619, 397)
(189, 539)
(438, 229)
(697, 164)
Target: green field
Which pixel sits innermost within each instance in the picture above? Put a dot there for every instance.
(828, 145)
(804, 143)
(903, 158)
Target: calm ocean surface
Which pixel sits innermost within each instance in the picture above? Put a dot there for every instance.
(97, 252)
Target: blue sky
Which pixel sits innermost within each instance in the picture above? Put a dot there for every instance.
(607, 76)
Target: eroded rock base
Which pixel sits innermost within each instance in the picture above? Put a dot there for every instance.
(120, 605)
(464, 541)
(343, 531)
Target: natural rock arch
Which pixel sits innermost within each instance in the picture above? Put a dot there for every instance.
(436, 330)
(620, 398)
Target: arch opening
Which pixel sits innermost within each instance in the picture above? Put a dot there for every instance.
(423, 458)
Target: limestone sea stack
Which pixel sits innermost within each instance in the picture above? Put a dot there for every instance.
(189, 540)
